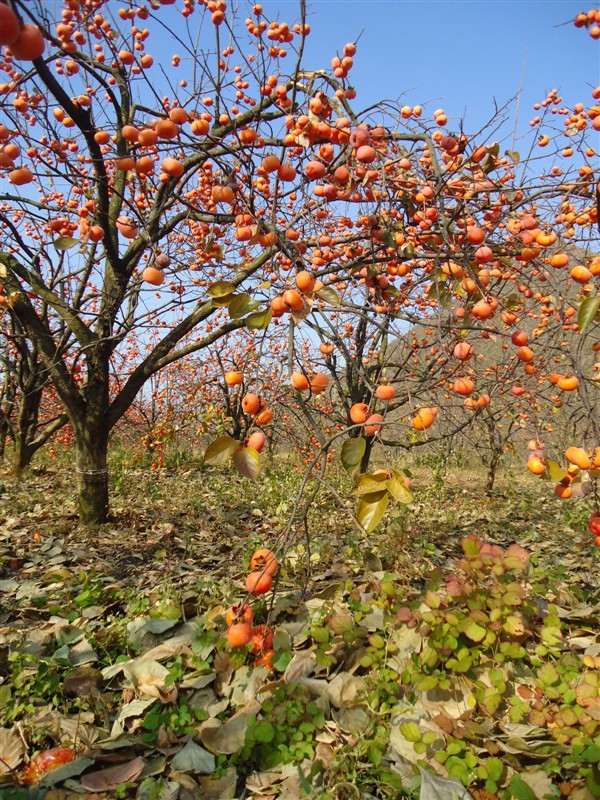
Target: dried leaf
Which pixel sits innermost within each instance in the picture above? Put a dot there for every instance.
(111, 777)
(12, 750)
(193, 758)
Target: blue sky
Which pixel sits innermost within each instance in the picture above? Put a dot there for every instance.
(457, 55)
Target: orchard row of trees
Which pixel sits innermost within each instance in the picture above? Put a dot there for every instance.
(221, 243)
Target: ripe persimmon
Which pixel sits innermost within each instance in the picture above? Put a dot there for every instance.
(578, 457)
(264, 560)
(223, 194)
(30, 44)
(293, 299)
(305, 281)
(299, 381)
(262, 639)
(265, 659)
(568, 383)
(234, 378)
(172, 167)
(464, 386)
(10, 27)
(166, 129)
(153, 276)
(251, 403)
(385, 392)
(519, 338)
(257, 441)
(239, 634)
(239, 612)
(374, 425)
(258, 583)
(424, 418)
(20, 176)
(536, 465)
(318, 383)
(594, 523)
(271, 163)
(265, 416)
(463, 351)
(359, 413)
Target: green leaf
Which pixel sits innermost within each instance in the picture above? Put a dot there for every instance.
(220, 289)
(471, 546)
(367, 483)
(371, 509)
(427, 683)
(389, 239)
(495, 768)
(410, 731)
(65, 243)
(264, 732)
(397, 487)
(513, 155)
(473, 631)
(242, 304)
(587, 312)
(220, 450)
(352, 453)
(247, 462)
(519, 789)
(260, 320)
(329, 295)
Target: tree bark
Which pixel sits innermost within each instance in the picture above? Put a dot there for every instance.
(92, 476)
(27, 423)
(364, 462)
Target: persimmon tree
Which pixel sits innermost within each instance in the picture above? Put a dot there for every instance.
(118, 190)
(180, 203)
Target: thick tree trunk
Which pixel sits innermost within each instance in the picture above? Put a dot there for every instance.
(92, 476)
(27, 423)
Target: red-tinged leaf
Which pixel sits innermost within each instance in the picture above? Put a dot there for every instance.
(247, 462)
(220, 450)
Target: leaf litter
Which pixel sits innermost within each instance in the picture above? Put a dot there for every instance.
(111, 646)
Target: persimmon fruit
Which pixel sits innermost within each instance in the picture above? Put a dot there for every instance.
(258, 583)
(239, 634)
(153, 276)
(30, 44)
(359, 413)
(264, 560)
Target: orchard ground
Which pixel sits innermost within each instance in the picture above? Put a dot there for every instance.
(112, 639)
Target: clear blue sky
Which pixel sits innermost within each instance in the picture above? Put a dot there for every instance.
(457, 55)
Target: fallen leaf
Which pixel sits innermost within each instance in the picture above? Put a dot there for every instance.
(105, 779)
(193, 758)
(12, 750)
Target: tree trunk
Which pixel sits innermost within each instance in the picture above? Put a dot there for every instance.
(27, 423)
(364, 462)
(92, 476)
(4, 430)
